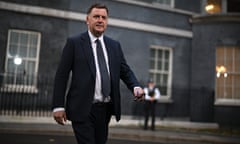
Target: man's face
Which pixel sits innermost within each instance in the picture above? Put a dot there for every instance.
(151, 84)
(97, 21)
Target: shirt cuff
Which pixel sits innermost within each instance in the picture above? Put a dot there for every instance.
(58, 109)
(136, 87)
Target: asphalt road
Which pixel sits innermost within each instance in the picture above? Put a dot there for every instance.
(16, 138)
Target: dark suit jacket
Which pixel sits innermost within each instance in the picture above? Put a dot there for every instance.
(77, 57)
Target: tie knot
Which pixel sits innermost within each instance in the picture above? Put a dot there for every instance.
(97, 41)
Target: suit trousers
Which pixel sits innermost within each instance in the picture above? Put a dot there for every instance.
(149, 108)
(94, 129)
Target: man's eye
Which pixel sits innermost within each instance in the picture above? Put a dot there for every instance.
(97, 17)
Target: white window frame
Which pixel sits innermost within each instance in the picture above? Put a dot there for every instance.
(154, 4)
(225, 101)
(163, 98)
(171, 4)
(28, 88)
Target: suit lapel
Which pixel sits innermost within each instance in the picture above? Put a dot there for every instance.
(87, 49)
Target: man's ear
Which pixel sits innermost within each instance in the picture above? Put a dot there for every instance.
(87, 20)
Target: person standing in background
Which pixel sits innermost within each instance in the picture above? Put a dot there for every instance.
(97, 64)
(152, 95)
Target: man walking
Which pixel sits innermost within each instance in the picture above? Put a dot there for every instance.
(97, 64)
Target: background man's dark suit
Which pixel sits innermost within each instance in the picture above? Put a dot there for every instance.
(78, 57)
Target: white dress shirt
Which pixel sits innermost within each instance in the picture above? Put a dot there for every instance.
(156, 95)
(98, 91)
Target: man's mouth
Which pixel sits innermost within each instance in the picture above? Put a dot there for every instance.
(98, 25)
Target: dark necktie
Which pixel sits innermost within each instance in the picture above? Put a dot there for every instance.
(105, 80)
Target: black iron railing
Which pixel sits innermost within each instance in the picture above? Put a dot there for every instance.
(25, 95)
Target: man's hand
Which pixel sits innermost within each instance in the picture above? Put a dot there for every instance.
(60, 117)
(152, 99)
(138, 93)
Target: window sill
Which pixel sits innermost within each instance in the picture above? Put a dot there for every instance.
(19, 89)
(227, 102)
(165, 100)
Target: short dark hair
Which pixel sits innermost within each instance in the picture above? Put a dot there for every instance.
(97, 5)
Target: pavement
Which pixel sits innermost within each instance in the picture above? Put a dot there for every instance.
(167, 130)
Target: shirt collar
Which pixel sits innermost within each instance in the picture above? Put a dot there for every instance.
(93, 38)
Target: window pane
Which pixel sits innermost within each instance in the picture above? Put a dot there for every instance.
(163, 90)
(13, 49)
(166, 66)
(32, 52)
(229, 59)
(23, 39)
(30, 72)
(31, 68)
(233, 6)
(166, 55)
(159, 62)
(14, 37)
(33, 39)
(158, 79)
(21, 68)
(236, 84)
(10, 66)
(213, 6)
(237, 60)
(33, 45)
(165, 79)
(219, 89)
(228, 87)
(159, 59)
(23, 51)
(160, 54)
